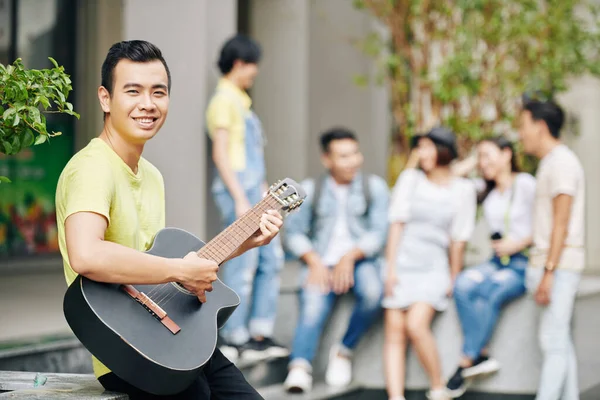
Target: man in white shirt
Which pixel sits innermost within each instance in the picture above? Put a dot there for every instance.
(558, 254)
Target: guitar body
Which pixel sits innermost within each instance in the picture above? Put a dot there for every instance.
(132, 342)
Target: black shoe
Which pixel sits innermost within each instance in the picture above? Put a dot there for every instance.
(456, 385)
(258, 350)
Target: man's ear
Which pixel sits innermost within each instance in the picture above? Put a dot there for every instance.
(325, 160)
(104, 98)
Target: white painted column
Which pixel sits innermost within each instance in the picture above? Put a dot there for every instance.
(582, 101)
(221, 25)
(281, 91)
(179, 29)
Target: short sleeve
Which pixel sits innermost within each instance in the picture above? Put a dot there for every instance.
(406, 183)
(564, 177)
(463, 223)
(88, 187)
(219, 114)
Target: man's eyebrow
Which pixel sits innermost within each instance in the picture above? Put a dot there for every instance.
(138, 86)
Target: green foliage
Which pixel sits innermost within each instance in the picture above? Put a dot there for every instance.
(25, 96)
(470, 61)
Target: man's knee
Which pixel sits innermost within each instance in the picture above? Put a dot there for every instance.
(370, 294)
(314, 306)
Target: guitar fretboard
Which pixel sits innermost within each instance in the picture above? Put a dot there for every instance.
(232, 237)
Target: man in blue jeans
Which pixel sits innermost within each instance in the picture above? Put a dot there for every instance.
(239, 183)
(558, 254)
(338, 233)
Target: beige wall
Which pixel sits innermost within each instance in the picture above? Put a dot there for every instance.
(582, 102)
(335, 59)
(100, 26)
(179, 149)
(281, 91)
(306, 83)
(222, 24)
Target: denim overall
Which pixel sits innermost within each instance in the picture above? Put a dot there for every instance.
(254, 275)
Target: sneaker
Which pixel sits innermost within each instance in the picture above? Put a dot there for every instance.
(437, 394)
(484, 365)
(456, 385)
(299, 380)
(230, 351)
(260, 350)
(274, 349)
(339, 369)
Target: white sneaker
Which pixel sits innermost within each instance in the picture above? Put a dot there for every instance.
(339, 369)
(230, 352)
(484, 366)
(299, 380)
(438, 394)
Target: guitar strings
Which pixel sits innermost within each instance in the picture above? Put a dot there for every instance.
(262, 206)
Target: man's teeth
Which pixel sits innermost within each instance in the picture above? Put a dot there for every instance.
(145, 120)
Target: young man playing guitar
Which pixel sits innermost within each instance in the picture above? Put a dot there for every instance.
(110, 204)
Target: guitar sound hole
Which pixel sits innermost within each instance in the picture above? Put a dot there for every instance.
(182, 288)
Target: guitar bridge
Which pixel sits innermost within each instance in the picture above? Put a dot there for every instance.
(153, 308)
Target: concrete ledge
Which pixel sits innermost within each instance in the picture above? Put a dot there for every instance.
(514, 344)
(60, 355)
(43, 386)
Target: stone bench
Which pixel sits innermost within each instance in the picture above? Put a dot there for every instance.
(50, 386)
(514, 343)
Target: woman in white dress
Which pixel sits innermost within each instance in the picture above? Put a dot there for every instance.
(432, 216)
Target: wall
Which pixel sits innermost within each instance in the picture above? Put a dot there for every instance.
(179, 29)
(306, 83)
(582, 101)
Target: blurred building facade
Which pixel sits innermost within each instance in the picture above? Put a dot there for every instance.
(305, 86)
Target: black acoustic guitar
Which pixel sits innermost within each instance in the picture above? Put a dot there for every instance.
(158, 337)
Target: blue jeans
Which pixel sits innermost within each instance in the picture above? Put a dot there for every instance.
(558, 379)
(254, 276)
(316, 306)
(480, 292)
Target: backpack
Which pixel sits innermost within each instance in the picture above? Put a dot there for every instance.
(317, 196)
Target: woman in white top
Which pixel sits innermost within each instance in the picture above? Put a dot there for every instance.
(507, 198)
(432, 216)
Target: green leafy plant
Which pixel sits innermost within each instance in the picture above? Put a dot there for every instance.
(466, 63)
(26, 95)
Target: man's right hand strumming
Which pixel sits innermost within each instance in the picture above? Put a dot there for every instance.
(198, 274)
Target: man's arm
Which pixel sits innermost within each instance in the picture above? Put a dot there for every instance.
(561, 213)
(561, 210)
(103, 261)
(221, 158)
(373, 241)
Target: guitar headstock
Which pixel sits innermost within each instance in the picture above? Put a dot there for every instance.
(288, 193)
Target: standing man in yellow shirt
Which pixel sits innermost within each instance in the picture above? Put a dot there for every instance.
(110, 203)
(238, 184)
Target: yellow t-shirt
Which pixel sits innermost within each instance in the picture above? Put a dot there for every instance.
(226, 110)
(97, 180)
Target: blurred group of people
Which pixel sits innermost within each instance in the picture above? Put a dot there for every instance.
(402, 252)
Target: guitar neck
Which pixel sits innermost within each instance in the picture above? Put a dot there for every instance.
(222, 246)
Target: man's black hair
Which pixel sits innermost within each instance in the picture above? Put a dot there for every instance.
(547, 111)
(133, 50)
(240, 47)
(335, 134)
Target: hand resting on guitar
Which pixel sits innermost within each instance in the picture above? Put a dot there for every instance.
(103, 261)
